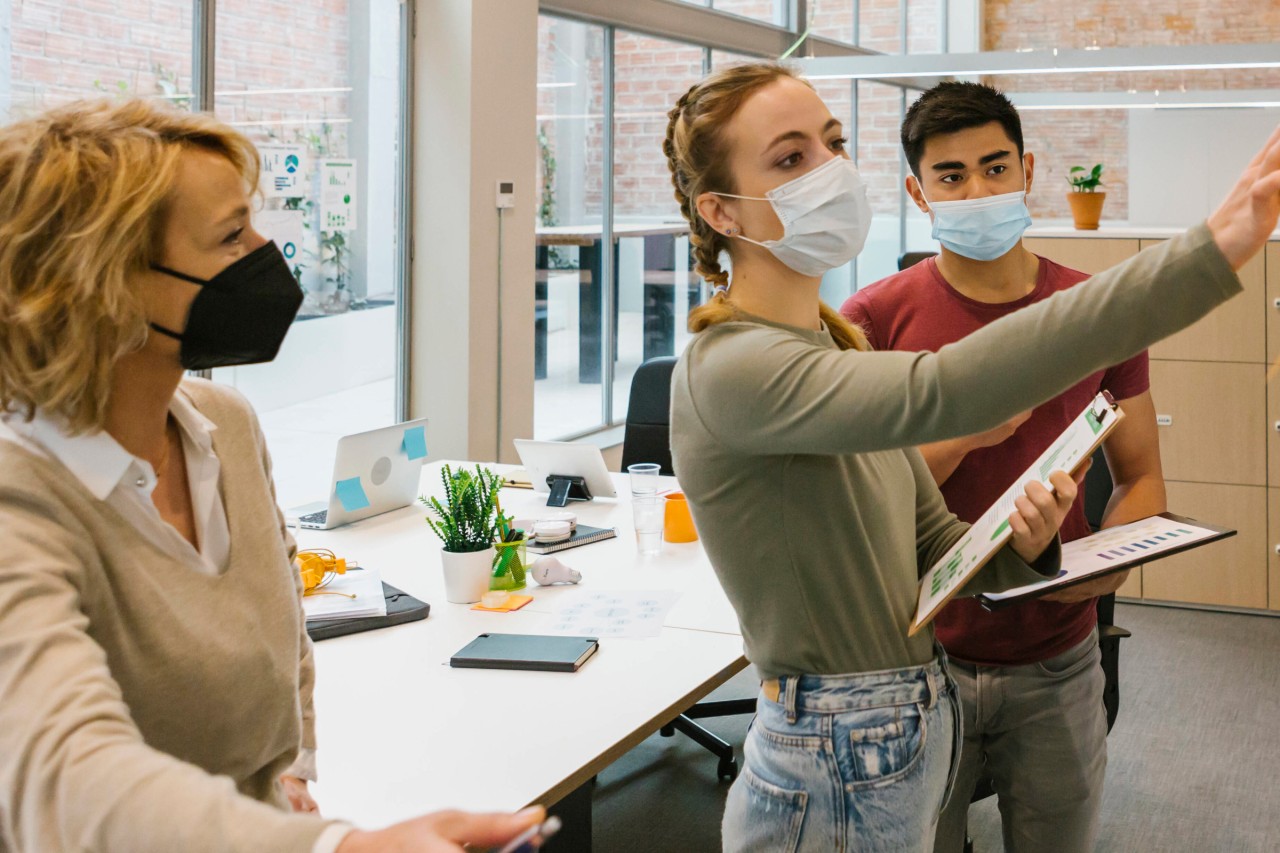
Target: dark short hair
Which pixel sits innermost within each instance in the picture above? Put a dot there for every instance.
(952, 107)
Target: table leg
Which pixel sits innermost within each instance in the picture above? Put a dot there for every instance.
(575, 813)
(659, 295)
(590, 308)
(659, 320)
(540, 309)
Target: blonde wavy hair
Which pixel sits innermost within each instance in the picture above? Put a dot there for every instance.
(83, 196)
(698, 159)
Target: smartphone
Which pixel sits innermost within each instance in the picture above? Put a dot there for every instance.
(533, 837)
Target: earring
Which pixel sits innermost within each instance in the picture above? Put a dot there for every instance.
(731, 231)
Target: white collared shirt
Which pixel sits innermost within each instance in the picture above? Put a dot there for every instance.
(112, 474)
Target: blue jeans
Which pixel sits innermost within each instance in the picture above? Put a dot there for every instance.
(847, 763)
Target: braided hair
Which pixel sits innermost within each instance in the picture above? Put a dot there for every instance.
(695, 153)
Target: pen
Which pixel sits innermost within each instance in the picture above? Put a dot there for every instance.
(531, 839)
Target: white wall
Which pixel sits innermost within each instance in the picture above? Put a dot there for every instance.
(475, 101)
(1182, 162)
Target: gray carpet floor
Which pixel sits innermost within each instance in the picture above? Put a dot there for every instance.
(1194, 759)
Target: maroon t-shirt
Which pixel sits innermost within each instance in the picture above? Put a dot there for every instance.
(917, 309)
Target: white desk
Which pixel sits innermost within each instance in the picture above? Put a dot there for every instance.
(401, 733)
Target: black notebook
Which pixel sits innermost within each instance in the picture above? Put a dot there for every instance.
(526, 651)
(582, 535)
(401, 607)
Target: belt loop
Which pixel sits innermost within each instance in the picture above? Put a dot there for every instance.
(789, 682)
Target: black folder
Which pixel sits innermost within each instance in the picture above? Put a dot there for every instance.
(526, 651)
(401, 607)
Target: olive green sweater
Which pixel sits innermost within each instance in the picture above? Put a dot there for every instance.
(798, 459)
(146, 706)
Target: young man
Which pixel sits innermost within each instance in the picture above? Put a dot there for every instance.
(1030, 683)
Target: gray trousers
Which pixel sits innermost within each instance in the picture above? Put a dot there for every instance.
(1040, 733)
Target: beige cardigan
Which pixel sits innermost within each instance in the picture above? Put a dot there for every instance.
(145, 706)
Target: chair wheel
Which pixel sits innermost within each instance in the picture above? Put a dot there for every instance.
(727, 769)
(667, 731)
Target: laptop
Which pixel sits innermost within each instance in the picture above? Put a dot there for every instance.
(373, 472)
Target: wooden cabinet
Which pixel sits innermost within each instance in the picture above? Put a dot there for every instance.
(1219, 441)
(1236, 331)
(1212, 416)
(1273, 547)
(1232, 572)
(1273, 431)
(1273, 302)
(1132, 588)
(1087, 254)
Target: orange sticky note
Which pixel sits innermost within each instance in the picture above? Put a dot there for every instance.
(514, 602)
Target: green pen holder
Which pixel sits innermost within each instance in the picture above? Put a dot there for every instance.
(509, 565)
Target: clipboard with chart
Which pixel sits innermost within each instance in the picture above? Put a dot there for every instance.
(1113, 550)
(1068, 452)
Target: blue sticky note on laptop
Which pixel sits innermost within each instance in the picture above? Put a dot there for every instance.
(415, 442)
(351, 494)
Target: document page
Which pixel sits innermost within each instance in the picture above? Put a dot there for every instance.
(990, 532)
(1117, 548)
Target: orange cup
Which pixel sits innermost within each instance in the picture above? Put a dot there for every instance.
(677, 523)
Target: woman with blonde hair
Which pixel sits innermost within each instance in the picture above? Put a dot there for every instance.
(155, 673)
(795, 446)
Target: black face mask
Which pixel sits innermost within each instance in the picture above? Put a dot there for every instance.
(241, 315)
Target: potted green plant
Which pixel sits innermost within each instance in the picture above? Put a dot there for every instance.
(1086, 201)
(469, 520)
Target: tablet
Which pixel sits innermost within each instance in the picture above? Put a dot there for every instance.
(526, 651)
(566, 459)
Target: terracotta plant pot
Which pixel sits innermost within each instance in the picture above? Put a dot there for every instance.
(1086, 209)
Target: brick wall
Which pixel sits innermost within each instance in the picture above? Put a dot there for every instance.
(67, 49)
(1061, 139)
(650, 75)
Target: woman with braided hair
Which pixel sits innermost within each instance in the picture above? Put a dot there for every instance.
(795, 445)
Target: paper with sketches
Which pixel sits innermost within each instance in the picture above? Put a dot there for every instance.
(618, 613)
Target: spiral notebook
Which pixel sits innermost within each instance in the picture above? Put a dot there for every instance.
(583, 535)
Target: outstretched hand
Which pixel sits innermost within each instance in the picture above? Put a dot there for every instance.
(1248, 215)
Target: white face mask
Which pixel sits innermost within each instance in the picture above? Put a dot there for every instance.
(825, 218)
(981, 228)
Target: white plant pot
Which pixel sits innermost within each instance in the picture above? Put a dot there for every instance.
(466, 575)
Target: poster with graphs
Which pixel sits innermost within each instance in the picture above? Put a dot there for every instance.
(337, 194)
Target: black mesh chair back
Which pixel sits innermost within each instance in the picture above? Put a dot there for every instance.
(647, 436)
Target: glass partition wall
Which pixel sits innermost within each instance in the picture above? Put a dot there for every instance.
(319, 91)
(324, 110)
(615, 279)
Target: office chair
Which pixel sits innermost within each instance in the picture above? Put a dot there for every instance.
(910, 259)
(1097, 492)
(647, 438)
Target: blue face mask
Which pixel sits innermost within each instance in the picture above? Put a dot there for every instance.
(981, 228)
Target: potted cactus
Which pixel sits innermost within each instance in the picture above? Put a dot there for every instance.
(1086, 201)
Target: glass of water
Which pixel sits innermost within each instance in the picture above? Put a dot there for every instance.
(644, 478)
(648, 511)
